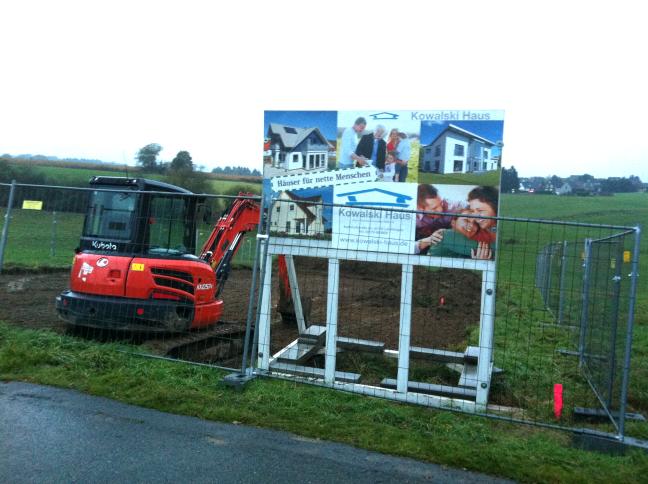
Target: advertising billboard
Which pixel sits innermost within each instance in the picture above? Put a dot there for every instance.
(355, 177)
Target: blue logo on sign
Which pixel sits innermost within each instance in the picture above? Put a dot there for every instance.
(384, 116)
(364, 197)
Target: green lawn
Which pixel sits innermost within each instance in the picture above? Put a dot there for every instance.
(624, 209)
(39, 239)
(498, 448)
(489, 178)
(619, 209)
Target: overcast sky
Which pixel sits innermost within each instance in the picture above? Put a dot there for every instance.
(102, 79)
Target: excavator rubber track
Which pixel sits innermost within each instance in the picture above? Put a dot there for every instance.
(226, 334)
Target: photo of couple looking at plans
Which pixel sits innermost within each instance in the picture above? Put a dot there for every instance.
(390, 157)
(457, 231)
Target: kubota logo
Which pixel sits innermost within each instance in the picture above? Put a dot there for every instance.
(103, 245)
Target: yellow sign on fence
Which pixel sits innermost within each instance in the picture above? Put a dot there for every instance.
(32, 205)
(626, 256)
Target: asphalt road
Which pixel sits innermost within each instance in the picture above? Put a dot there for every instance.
(54, 435)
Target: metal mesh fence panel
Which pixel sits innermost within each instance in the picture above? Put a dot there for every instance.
(436, 328)
(599, 313)
(45, 226)
(558, 273)
(134, 267)
(602, 347)
(502, 328)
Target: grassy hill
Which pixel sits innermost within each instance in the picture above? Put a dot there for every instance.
(77, 175)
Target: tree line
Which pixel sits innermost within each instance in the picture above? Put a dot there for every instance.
(180, 171)
(236, 170)
(147, 158)
(511, 182)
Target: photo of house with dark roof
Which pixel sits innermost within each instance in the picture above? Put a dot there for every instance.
(289, 149)
(457, 150)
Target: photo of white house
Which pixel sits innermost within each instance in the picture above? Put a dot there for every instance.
(295, 215)
(289, 149)
(457, 150)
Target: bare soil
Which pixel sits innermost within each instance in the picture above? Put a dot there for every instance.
(445, 303)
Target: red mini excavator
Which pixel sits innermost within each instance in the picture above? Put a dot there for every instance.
(135, 267)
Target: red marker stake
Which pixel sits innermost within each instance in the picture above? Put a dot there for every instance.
(558, 400)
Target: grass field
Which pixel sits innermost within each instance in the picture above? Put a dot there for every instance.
(39, 239)
(624, 209)
(489, 178)
(52, 244)
(232, 187)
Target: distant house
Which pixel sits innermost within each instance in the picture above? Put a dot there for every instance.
(535, 184)
(564, 189)
(457, 150)
(584, 185)
(294, 148)
(295, 215)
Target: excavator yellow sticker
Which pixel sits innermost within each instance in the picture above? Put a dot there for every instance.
(135, 266)
(626, 256)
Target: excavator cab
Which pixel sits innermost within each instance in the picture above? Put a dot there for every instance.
(135, 267)
(139, 217)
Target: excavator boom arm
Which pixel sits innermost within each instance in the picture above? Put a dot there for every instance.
(225, 239)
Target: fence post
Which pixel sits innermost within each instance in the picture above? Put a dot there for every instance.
(634, 275)
(253, 288)
(5, 227)
(616, 280)
(53, 241)
(561, 284)
(333, 286)
(263, 302)
(585, 309)
(550, 262)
